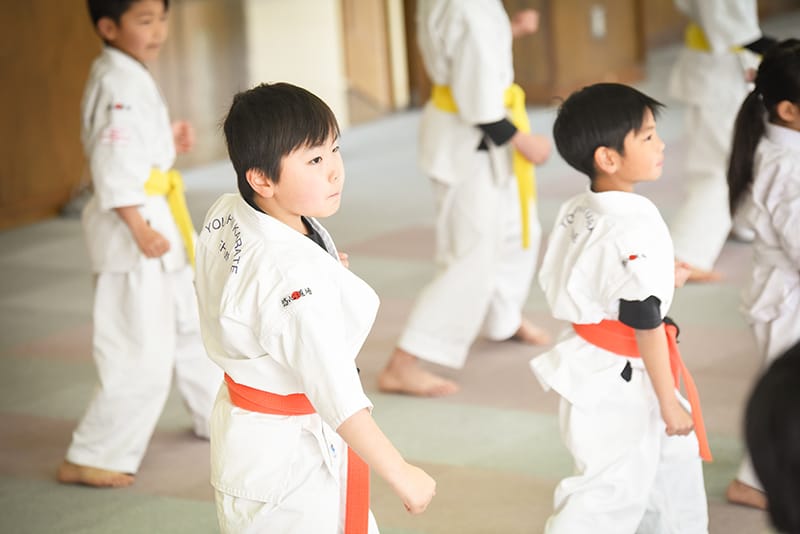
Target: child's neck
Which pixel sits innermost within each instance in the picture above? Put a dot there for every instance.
(293, 221)
(121, 51)
(608, 182)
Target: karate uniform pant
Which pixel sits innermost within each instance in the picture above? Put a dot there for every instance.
(314, 502)
(702, 224)
(145, 324)
(483, 274)
(630, 477)
(773, 339)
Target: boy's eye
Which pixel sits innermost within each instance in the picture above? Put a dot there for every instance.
(336, 149)
(316, 160)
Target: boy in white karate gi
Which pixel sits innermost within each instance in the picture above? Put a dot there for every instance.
(710, 77)
(487, 230)
(140, 237)
(609, 269)
(285, 319)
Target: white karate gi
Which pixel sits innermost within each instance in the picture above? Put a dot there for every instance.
(713, 85)
(274, 473)
(483, 273)
(145, 310)
(771, 300)
(629, 475)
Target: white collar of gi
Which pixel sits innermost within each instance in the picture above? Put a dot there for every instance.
(120, 58)
(279, 230)
(783, 136)
(606, 201)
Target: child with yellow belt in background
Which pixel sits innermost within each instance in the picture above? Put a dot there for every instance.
(141, 245)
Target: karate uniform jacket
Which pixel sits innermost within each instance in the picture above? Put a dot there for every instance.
(772, 209)
(281, 315)
(126, 132)
(604, 247)
(716, 77)
(465, 45)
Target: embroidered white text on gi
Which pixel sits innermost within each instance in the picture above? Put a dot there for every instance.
(589, 221)
(231, 250)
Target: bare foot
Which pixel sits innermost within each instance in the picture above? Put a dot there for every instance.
(70, 473)
(531, 334)
(740, 493)
(702, 277)
(403, 374)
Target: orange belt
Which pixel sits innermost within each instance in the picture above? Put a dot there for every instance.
(620, 338)
(357, 505)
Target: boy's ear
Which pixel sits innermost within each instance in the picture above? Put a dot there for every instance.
(606, 159)
(788, 111)
(107, 28)
(261, 184)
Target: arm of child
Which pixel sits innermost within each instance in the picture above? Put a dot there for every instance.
(533, 147)
(655, 354)
(524, 23)
(413, 485)
(183, 135)
(682, 272)
(150, 242)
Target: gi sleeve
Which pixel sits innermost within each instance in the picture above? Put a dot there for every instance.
(785, 210)
(313, 341)
(641, 314)
(499, 132)
(637, 270)
(115, 146)
(478, 81)
(761, 45)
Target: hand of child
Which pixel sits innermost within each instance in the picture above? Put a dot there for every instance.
(682, 272)
(151, 243)
(533, 147)
(183, 134)
(415, 488)
(344, 259)
(524, 22)
(679, 421)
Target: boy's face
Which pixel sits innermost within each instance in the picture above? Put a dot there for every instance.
(141, 30)
(643, 160)
(310, 183)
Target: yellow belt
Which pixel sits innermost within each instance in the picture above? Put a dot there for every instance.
(695, 38)
(514, 101)
(170, 184)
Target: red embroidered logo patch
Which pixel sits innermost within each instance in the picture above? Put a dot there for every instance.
(631, 258)
(295, 295)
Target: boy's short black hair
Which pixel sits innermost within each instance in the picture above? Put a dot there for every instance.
(269, 122)
(113, 9)
(599, 115)
(772, 431)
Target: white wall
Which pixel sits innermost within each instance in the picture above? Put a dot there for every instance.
(300, 42)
